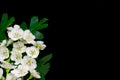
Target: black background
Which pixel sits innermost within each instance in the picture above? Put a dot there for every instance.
(68, 26)
(99, 3)
(23, 11)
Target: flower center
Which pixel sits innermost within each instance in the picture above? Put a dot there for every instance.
(5, 53)
(18, 56)
(32, 52)
(19, 48)
(29, 62)
(16, 35)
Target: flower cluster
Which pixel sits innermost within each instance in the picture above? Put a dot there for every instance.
(18, 54)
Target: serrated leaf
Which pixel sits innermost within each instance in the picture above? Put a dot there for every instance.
(43, 69)
(23, 25)
(38, 35)
(43, 20)
(45, 59)
(34, 20)
(39, 27)
(11, 21)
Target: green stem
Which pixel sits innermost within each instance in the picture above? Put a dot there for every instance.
(2, 78)
(30, 77)
(22, 78)
(7, 71)
(8, 60)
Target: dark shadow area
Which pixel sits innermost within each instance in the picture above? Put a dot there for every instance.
(23, 11)
(99, 3)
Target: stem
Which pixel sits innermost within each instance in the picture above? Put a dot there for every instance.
(8, 60)
(30, 77)
(7, 71)
(2, 78)
(22, 78)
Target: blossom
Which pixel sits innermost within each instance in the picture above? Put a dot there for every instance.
(20, 71)
(3, 43)
(10, 76)
(29, 62)
(40, 45)
(19, 47)
(32, 51)
(6, 43)
(15, 33)
(4, 53)
(16, 56)
(5, 64)
(28, 36)
(1, 72)
(35, 73)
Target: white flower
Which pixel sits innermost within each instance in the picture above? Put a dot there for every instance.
(5, 64)
(35, 73)
(19, 46)
(10, 76)
(1, 72)
(3, 43)
(32, 51)
(29, 63)
(15, 33)
(10, 28)
(16, 56)
(40, 45)
(6, 43)
(4, 53)
(20, 71)
(28, 36)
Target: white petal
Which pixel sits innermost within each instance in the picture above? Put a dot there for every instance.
(5, 64)
(3, 43)
(16, 26)
(20, 71)
(28, 36)
(35, 73)
(1, 72)
(32, 51)
(40, 45)
(4, 53)
(10, 76)
(29, 63)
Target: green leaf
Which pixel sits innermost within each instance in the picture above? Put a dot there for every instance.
(43, 20)
(11, 21)
(35, 25)
(2, 36)
(39, 26)
(4, 21)
(34, 20)
(42, 78)
(23, 25)
(45, 59)
(38, 35)
(43, 67)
